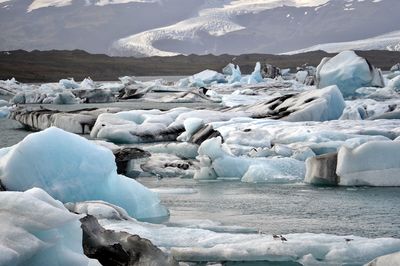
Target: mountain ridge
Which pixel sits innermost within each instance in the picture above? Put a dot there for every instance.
(51, 66)
(170, 27)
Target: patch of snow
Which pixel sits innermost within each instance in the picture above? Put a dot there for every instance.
(389, 41)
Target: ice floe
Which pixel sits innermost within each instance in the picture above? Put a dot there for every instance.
(199, 241)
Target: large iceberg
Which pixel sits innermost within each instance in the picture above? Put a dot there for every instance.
(37, 230)
(372, 164)
(312, 105)
(71, 169)
(349, 72)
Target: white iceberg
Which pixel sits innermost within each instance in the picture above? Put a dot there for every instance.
(349, 72)
(255, 77)
(37, 230)
(235, 75)
(386, 260)
(372, 164)
(394, 83)
(69, 83)
(71, 169)
(207, 77)
(218, 160)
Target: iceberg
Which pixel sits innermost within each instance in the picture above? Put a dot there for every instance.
(375, 163)
(37, 230)
(69, 83)
(349, 72)
(394, 83)
(313, 105)
(207, 77)
(216, 159)
(255, 77)
(72, 169)
(234, 73)
(386, 260)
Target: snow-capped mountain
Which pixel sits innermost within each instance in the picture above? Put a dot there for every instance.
(390, 42)
(170, 27)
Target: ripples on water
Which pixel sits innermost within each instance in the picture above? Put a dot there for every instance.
(286, 208)
(11, 132)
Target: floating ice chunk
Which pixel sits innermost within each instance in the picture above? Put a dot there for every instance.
(223, 164)
(127, 80)
(236, 75)
(228, 69)
(199, 245)
(69, 83)
(71, 169)
(349, 72)
(255, 77)
(315, 105)
(275, 170)
(138, 126)
(183, 150)
(208, 76)
(4, 111)
(375, 163)
(301, 76)
(87, 84)
(387, 260)
(37, 230)
(394, 83)
(65, 98)
(99, 209)
(183, 83)
(3, 103)
(192, 125)
(303, 154)
(248, 137)
(168, 165)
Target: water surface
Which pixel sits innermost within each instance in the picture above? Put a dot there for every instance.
(285, 208)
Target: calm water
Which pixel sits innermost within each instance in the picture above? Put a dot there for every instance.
(286, 208)
(272, 208)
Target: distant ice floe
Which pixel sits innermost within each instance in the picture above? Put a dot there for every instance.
(154, 125)
(73, 170)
